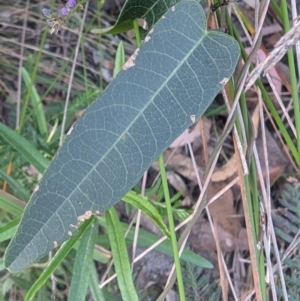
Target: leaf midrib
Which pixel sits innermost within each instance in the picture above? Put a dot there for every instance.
(121, 135)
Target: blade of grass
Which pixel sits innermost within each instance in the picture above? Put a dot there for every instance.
(38, 110)
(254, 207)
(146, 239)
(293, 77)
(24, 147)
(55, 80)
(120, 59)
(33, 77)
(98, 255)
(16, 186)
(148, 209)
(11, 204)
(250, 196)
(276, 8)
(120, 256)
(96, 292)
(83, 263)
(172, 228)
(8, 229)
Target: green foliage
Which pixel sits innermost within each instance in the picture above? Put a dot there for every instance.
(151, 11)
(199, 285)
(180, 59)
(137, 117)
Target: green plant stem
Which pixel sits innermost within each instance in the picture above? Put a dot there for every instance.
(256, 219)
(172, 228)
(291, 62)
(276, 8)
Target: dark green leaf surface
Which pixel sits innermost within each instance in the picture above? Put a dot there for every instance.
(150, 10)
(173, 79)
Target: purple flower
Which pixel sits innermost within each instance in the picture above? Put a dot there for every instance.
(64, 11)
(71, 3)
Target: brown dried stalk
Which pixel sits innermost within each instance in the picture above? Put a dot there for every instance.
(280, 48)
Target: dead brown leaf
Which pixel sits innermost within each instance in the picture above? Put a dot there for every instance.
(194, 135)
(179, 163)
(226, 171)
(276, 158)
(201, 238)
(222, 209)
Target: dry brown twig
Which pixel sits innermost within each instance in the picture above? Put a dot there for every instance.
(280, 48)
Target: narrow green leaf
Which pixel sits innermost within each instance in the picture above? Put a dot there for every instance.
(24, 147)
(115, 29)
(148, 209)
(56, 260)
(38, 110)
(96, 292)
(8, 230)
(83, 264)
(188, 256)
(16, 186)
(150, 10)
(161, 91)
(43, 294)
(2, 268)
(20, 282)
(11, 204)
(147, 239)
(120, 256)
(98, 255)
(120, 59)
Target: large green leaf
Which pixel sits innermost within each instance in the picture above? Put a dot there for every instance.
(170, 83)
